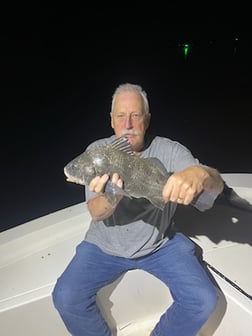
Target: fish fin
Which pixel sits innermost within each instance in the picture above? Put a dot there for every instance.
(113, 189)
(122, 144)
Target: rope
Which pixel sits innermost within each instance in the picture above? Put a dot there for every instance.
(229, 281)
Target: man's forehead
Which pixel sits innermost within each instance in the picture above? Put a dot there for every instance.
(129, 99)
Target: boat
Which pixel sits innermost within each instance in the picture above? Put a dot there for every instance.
(34, 254)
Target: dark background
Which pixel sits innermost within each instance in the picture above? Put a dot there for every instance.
(60, 67)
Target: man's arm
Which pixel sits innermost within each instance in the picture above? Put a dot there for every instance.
(182, 187)
(102, 206)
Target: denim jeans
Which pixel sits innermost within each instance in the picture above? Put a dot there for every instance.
(194, 295)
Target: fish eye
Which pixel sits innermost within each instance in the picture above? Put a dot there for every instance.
(89, 170)
(98, 160)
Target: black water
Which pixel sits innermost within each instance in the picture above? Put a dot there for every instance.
(57, 88)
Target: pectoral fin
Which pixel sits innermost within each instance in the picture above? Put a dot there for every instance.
(114, 189)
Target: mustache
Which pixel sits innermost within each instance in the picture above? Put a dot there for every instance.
(129, 132)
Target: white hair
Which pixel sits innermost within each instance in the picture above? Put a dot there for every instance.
(126, 87)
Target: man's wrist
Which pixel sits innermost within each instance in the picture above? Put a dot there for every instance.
(112, 198)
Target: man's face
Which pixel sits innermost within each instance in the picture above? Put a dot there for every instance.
(129, 119)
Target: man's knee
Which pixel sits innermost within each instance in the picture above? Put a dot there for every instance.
(207, 304)
(62, 296)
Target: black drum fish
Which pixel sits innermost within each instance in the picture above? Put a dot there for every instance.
(142, 177)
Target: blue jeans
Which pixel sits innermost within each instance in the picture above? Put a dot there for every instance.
(195, 296)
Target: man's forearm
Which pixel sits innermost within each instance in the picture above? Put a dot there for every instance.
(101, 207)
(214, 181)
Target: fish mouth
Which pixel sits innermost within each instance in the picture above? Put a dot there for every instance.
(73, 179)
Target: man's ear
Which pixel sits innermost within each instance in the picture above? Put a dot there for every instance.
(147, 120)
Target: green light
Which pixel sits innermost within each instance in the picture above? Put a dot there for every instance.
(186, 49)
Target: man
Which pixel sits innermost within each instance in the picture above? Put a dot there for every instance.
(134, 234)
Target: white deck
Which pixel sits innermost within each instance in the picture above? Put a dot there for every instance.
(34, 254)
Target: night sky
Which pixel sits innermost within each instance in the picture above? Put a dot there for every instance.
(59, 71)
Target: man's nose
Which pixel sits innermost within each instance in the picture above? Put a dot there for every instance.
(128, 122)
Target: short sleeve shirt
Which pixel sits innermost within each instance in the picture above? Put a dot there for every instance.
(137, 227)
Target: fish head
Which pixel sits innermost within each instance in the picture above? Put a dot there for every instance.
(91, 163)
(81, 169)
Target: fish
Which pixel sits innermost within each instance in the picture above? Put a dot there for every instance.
(142, 177)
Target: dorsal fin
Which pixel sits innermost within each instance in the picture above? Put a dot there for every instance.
(122, 144)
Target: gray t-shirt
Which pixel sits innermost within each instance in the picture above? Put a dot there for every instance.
(137, 227)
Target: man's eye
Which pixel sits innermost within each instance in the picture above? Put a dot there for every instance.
(136, 116)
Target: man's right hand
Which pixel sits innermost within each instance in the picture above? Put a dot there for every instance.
(98, 183)
(100, 206)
